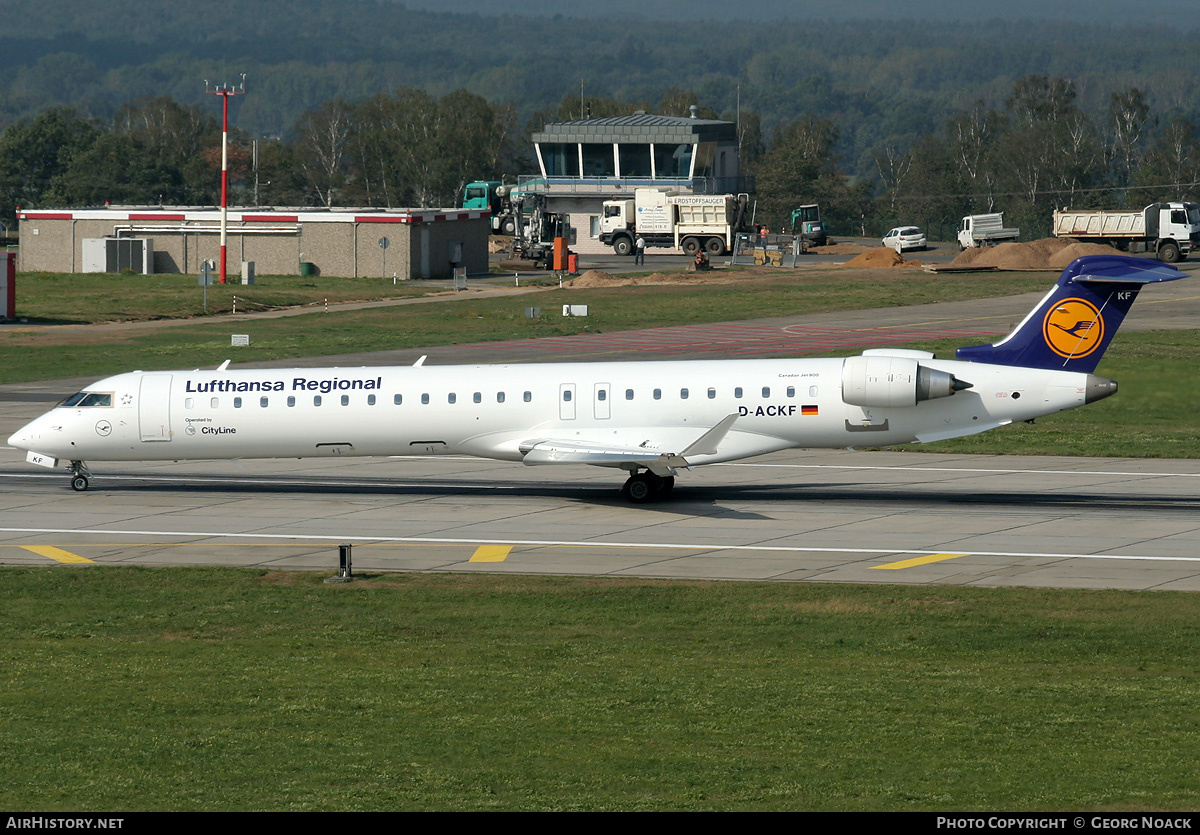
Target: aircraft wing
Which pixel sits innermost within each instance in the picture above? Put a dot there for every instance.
(553, 451)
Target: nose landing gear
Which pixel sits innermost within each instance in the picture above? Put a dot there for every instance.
(79, 476)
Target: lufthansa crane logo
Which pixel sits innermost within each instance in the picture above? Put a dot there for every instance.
(1073, 328)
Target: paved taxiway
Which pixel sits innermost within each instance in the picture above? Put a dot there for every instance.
(832, 516)
(828, 516)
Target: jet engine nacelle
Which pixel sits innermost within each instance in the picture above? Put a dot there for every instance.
(894, 381)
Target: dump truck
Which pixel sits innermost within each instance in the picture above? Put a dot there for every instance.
(668, 219)
(985, 230)
(1171, 230)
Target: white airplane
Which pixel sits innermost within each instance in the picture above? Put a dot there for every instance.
(651, 419)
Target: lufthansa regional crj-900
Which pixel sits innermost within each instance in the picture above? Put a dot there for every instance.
(651, 419)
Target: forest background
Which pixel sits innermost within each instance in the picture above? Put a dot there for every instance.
(885, 113)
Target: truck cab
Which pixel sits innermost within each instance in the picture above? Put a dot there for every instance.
(493, 196)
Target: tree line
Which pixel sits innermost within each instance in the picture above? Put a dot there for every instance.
(1037, 150)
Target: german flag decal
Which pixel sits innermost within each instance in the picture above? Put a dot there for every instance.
(808, 410)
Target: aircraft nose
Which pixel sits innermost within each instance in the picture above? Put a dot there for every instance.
(21, 438)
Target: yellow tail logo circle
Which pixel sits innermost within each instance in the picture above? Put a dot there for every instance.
(1073, 328)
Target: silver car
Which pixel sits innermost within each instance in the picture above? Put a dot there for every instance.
(903, 238)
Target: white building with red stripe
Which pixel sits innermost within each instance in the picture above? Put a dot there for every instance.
(420, 243)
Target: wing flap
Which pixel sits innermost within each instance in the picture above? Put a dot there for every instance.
(555, 451)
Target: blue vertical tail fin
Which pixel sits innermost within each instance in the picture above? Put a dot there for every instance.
(1072, 325)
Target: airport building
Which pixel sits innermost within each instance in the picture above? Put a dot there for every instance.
(407, 243)
(587, 161)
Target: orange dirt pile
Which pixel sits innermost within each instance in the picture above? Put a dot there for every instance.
(1044, 254)
(880, 257)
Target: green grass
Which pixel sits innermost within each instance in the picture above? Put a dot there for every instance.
(222, 689)
(52, 352)
(74, 298)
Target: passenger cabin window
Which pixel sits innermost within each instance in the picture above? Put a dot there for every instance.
(628, 394)
(316, 400)
(345, 400)
(291, 401)
(451, 398)
(812, 391)
(658, 394)
(791, 391)
(262, 402)
(237, 402)
(397, 399)
(683, 394)
(370, 400)
(499, 397)
(737, 392)
(214, 402)
(188, 403)
(766, 391)
(424, 399)
(477, 397)
(528, 396)
(712, 394)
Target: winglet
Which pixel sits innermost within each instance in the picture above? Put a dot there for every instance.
(707, 443)
(224, 366)
(420, 361)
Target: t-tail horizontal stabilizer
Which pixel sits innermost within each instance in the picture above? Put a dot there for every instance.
(1071, 327)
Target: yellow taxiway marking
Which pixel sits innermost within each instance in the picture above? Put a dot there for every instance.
(919, 561)
(56, 554)
(491, 553)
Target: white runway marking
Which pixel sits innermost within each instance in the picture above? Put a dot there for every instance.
(233, 480)
(662, 546)
(991, 470)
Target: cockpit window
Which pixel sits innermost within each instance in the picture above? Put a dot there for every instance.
(89, 398)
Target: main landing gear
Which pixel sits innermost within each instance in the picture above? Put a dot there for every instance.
(647, 487)
(79, 476)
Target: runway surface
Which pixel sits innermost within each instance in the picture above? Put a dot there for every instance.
(814, 516)
(827, 516)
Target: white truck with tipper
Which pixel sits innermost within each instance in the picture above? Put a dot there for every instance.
(1171, 230)
(669, 219)
(985, 230)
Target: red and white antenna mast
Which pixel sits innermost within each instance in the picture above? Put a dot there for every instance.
(225, 91)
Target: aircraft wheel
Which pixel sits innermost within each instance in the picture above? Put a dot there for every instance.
(641, 488)
(79, 483)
